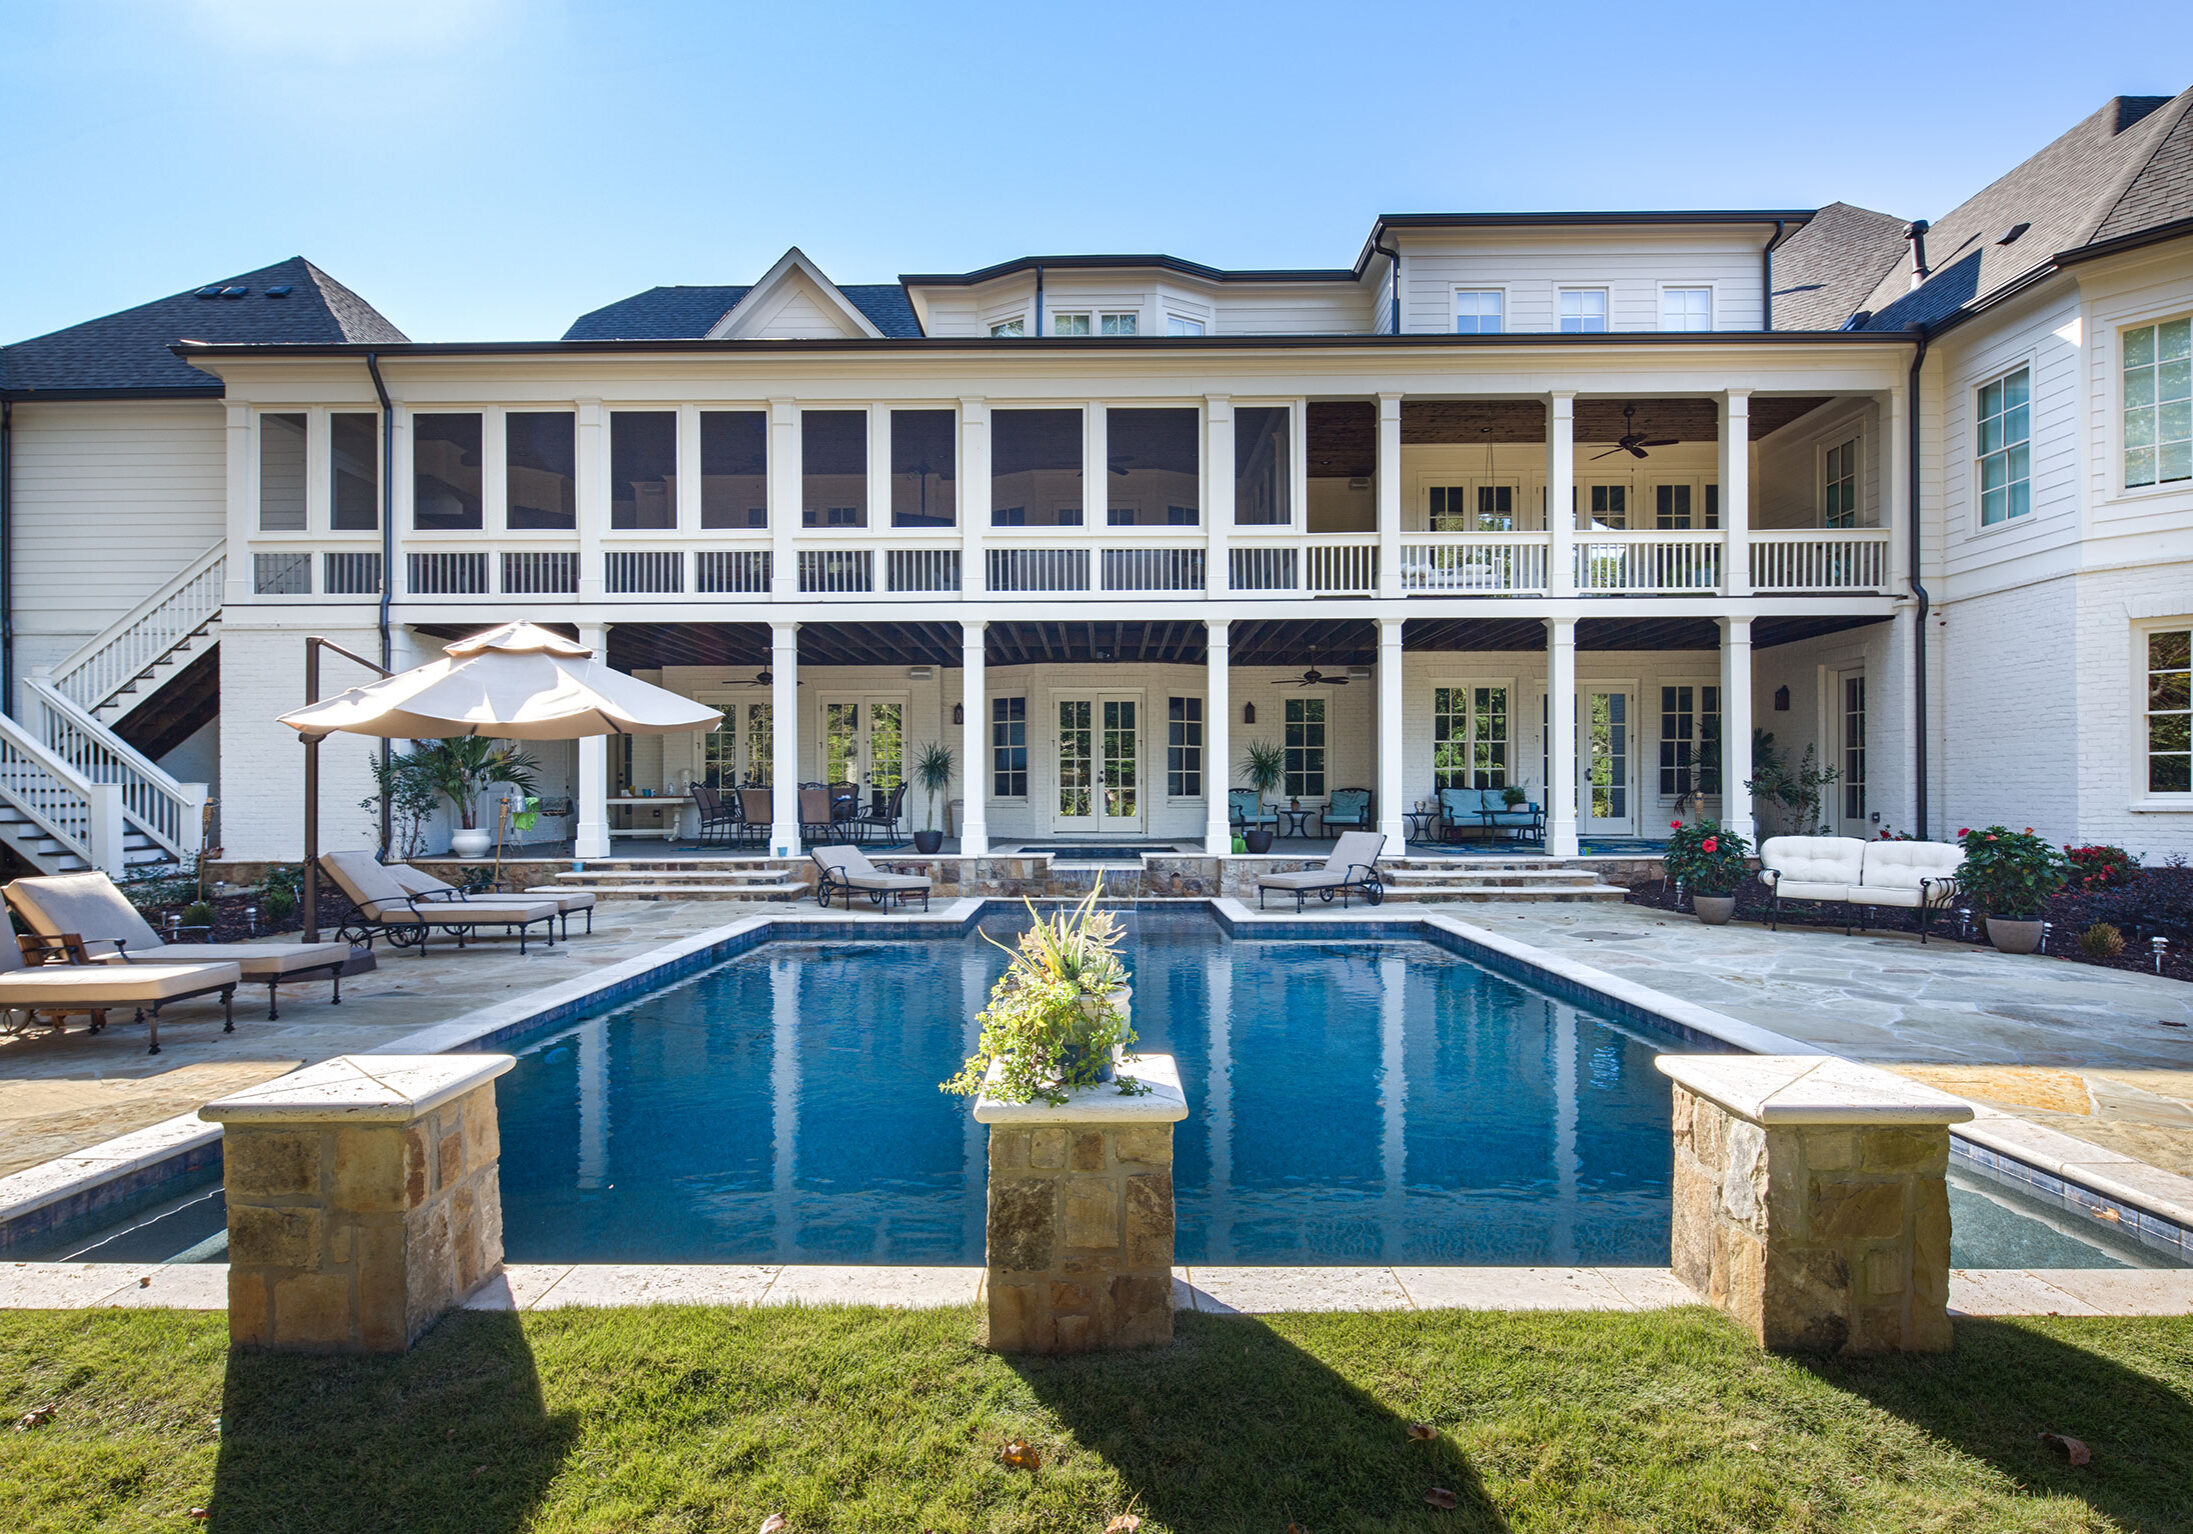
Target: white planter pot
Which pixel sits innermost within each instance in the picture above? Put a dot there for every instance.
(471, 844)
(2012, 936)
(1713, 910)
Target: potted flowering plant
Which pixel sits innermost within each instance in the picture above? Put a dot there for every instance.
(1057, 1019)
(2010, 875)
(1708, 860)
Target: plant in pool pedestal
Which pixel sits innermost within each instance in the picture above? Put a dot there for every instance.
(1057, 1015)
(933, 771)
(1708, 860)
(2009, 876)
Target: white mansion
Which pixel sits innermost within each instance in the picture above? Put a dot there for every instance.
(1575, 502)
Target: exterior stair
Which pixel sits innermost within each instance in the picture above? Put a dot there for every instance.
(128, 662)
(744, 879)
(1434, 880)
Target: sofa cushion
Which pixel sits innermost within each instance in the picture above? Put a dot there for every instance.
(1801, 889)
(1901, 865)
(1812, 860)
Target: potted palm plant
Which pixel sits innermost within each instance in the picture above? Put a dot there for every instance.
(2009, 875)
(1263, 768)
(1708, 860)
(464, 768)
(1057, 1019)
(933, 771)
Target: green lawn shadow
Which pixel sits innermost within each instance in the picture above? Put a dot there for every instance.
(452, 1436)
(2005, 1383)
(1234, 1427)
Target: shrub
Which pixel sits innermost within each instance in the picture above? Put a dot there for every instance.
(2009, 873)
(278, 905)
(2101, 941)
(199, 913)
(2101, 867)
(1706, 857)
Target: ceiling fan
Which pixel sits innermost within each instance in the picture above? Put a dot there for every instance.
(1316, 678)
(1633, 441)
(766, 678)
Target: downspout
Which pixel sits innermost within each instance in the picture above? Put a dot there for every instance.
(1766, 278)
(388, 562)
(7, 556)
(1039, 300)
(1393, 258)
(1918, 588)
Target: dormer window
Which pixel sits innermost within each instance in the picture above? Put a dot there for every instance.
(1480, 311)
(1008, 330)
(1686, 308)
(1069, 324)
(1120, 325)
(1583, 310)
(1180, 325)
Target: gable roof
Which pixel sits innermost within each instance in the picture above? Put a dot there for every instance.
(129, 353)
(751, 315)
(690, 313)
(2064, 196)
(1824, 270)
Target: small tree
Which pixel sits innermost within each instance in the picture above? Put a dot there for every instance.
(462, 769)
(933, 771)
(1263, 766)
(406, 786)
(1796, 793)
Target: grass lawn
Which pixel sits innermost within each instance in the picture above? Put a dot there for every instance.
(677, 1419)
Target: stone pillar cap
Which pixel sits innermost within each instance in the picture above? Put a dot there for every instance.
(1164, 1103)
(359, 1089)
(1811, 1089)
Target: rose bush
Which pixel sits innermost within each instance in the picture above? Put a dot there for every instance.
(2010, 873)
(1707, 857)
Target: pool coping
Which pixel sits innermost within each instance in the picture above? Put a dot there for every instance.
(2144, 1201)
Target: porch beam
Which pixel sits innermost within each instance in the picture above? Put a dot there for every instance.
(974, 824)
(1218, 832)
(1392, 786)
(1736, 812)
(1561, 737)
(784, 724)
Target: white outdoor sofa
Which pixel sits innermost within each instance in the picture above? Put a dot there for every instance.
(1857, 874)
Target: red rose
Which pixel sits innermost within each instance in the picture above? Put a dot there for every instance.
(1991, 838)
(1675, 825)
(1710, 844)
(1964, 830)
(2029, 830)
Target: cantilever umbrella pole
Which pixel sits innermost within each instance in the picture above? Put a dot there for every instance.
(314, 644)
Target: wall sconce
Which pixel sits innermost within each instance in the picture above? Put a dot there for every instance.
(1248, 713)
(959, 713)
(1781, 700)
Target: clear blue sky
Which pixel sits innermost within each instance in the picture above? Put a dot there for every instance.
(492, 168)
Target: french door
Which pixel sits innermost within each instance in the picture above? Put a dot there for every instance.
(864, 742)
(1848, 793)
(1606, 787)
(1098, 780)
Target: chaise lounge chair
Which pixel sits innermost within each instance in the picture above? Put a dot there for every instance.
(1353, 866)
(424, 888)
(385, 909)
(88, 905)
(846, 869)
(96, 988)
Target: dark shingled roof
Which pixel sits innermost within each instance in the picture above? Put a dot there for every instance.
(2065, 194)
(686, 313)
(2162, 192)
(129, 352)
(1824, 270)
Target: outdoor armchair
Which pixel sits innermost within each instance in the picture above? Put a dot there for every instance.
(1348, 807)
(1353, 866)
(843, 870)
(61, 987)
(386, 909)
(1246, 809)
(89, 906)
(884, 818)
(756, 811)
(817, 823)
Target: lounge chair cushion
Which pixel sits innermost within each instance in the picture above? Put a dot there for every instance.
(416, 881)
(120, 985)
(379, 898)
(85, 904)
(1352, 854)
(850, 866)
(258, 961)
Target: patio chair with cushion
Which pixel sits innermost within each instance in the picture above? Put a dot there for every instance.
(426, 889)
(69, 982)
(1353, 866)
(386, 909)
(817, 823)
(756, 814)
(717, 816)
(883, 819)
(847, 869)
(1348, 807)
(1246, 809)
(89, 906)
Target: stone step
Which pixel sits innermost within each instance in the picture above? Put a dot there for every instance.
(678, 875)
(683, 891)
(1496, 875)
(1479, 892)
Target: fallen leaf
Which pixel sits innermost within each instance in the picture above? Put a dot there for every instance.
(2073, 1450)
(774, 1524)
(1125, 1523)
(1439, 1496)
(37, 1416)
(1422, 1430)
(2110, 1215)
(201, 1513)
(145, 1282)
(1295, 1528)
(1021, 1455)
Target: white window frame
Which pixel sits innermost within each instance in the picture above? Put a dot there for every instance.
(990, 722)
(1086, 316)
(1975, 457)
(1202, 750)
(1112, 317)
(1826, 450)
(1606, 310)
(2118, 487)
(1190, 326)
(1712, 290)
(2142, 799)
(1454, 307)
(1468, 686)
(1003, 322)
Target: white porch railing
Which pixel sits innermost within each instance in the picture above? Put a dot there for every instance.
(1341, 569)
(1646, 562)
(1828, 559)
(83, 820)
(170, 813)
(132, 644)
(1480, 563)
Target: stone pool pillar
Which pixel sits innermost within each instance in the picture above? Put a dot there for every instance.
(364, 1200)
(1810, 1200)
(1080, 1240)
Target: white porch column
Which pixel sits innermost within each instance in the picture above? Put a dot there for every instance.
(1389, 495)
(1736, 490)
(1561, 493)
(1894, 414)
(1218, 832)
(974, 820)
(784, 504)
(1218, 492)
(1392, 788)
(972, 492)
(243, 508)
(1736, 726)
(591, 837)
(1561, 737)
(590, 495)
(784, 724)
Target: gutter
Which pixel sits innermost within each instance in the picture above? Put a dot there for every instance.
(1918, 588)
(1039, 300)
(388, 562)
(1393, 257)
(1766, 276)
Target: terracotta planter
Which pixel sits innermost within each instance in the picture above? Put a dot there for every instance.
(928, 843)
(471, 844)
(1258, 842)
(1713, 910)
(2011, 934)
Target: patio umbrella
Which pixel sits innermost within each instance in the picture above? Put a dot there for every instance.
(516, 682)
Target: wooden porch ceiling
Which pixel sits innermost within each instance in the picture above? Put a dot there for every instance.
(1343, 434)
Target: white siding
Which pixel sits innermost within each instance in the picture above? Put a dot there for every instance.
(1532, 265)
(1786, 490)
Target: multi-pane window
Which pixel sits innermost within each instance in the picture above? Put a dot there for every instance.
(1671, 505)
(1119, 325)
(1854, 748)
(1583, 310)
(2158, 403)
(282, 473)
(1686, 308)
(1009, 748)
(1690, 741)
(354, 472)
(1184, 748)
(1007, 330)
(1469, 737)
(1480, 311)
(2169, 725)
(761, 745)
(1069, 324)
(1473, 509)
(1610, 506)
(720, 751)
(1305, 748)
(1181, 325)
(2005, 448)
(1839, 488)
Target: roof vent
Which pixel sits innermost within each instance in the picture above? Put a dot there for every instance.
(2012, 233)
(279, 291)
(236, 292)
(1915, 232)
(211, 290)
(1859, 321)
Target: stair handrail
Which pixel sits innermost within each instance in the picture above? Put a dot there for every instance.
(170, 812)
(129, 646)
(52, 796)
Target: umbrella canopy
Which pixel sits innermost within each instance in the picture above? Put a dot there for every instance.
(516, 682)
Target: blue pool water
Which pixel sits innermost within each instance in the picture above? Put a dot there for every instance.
(1351, 1102)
